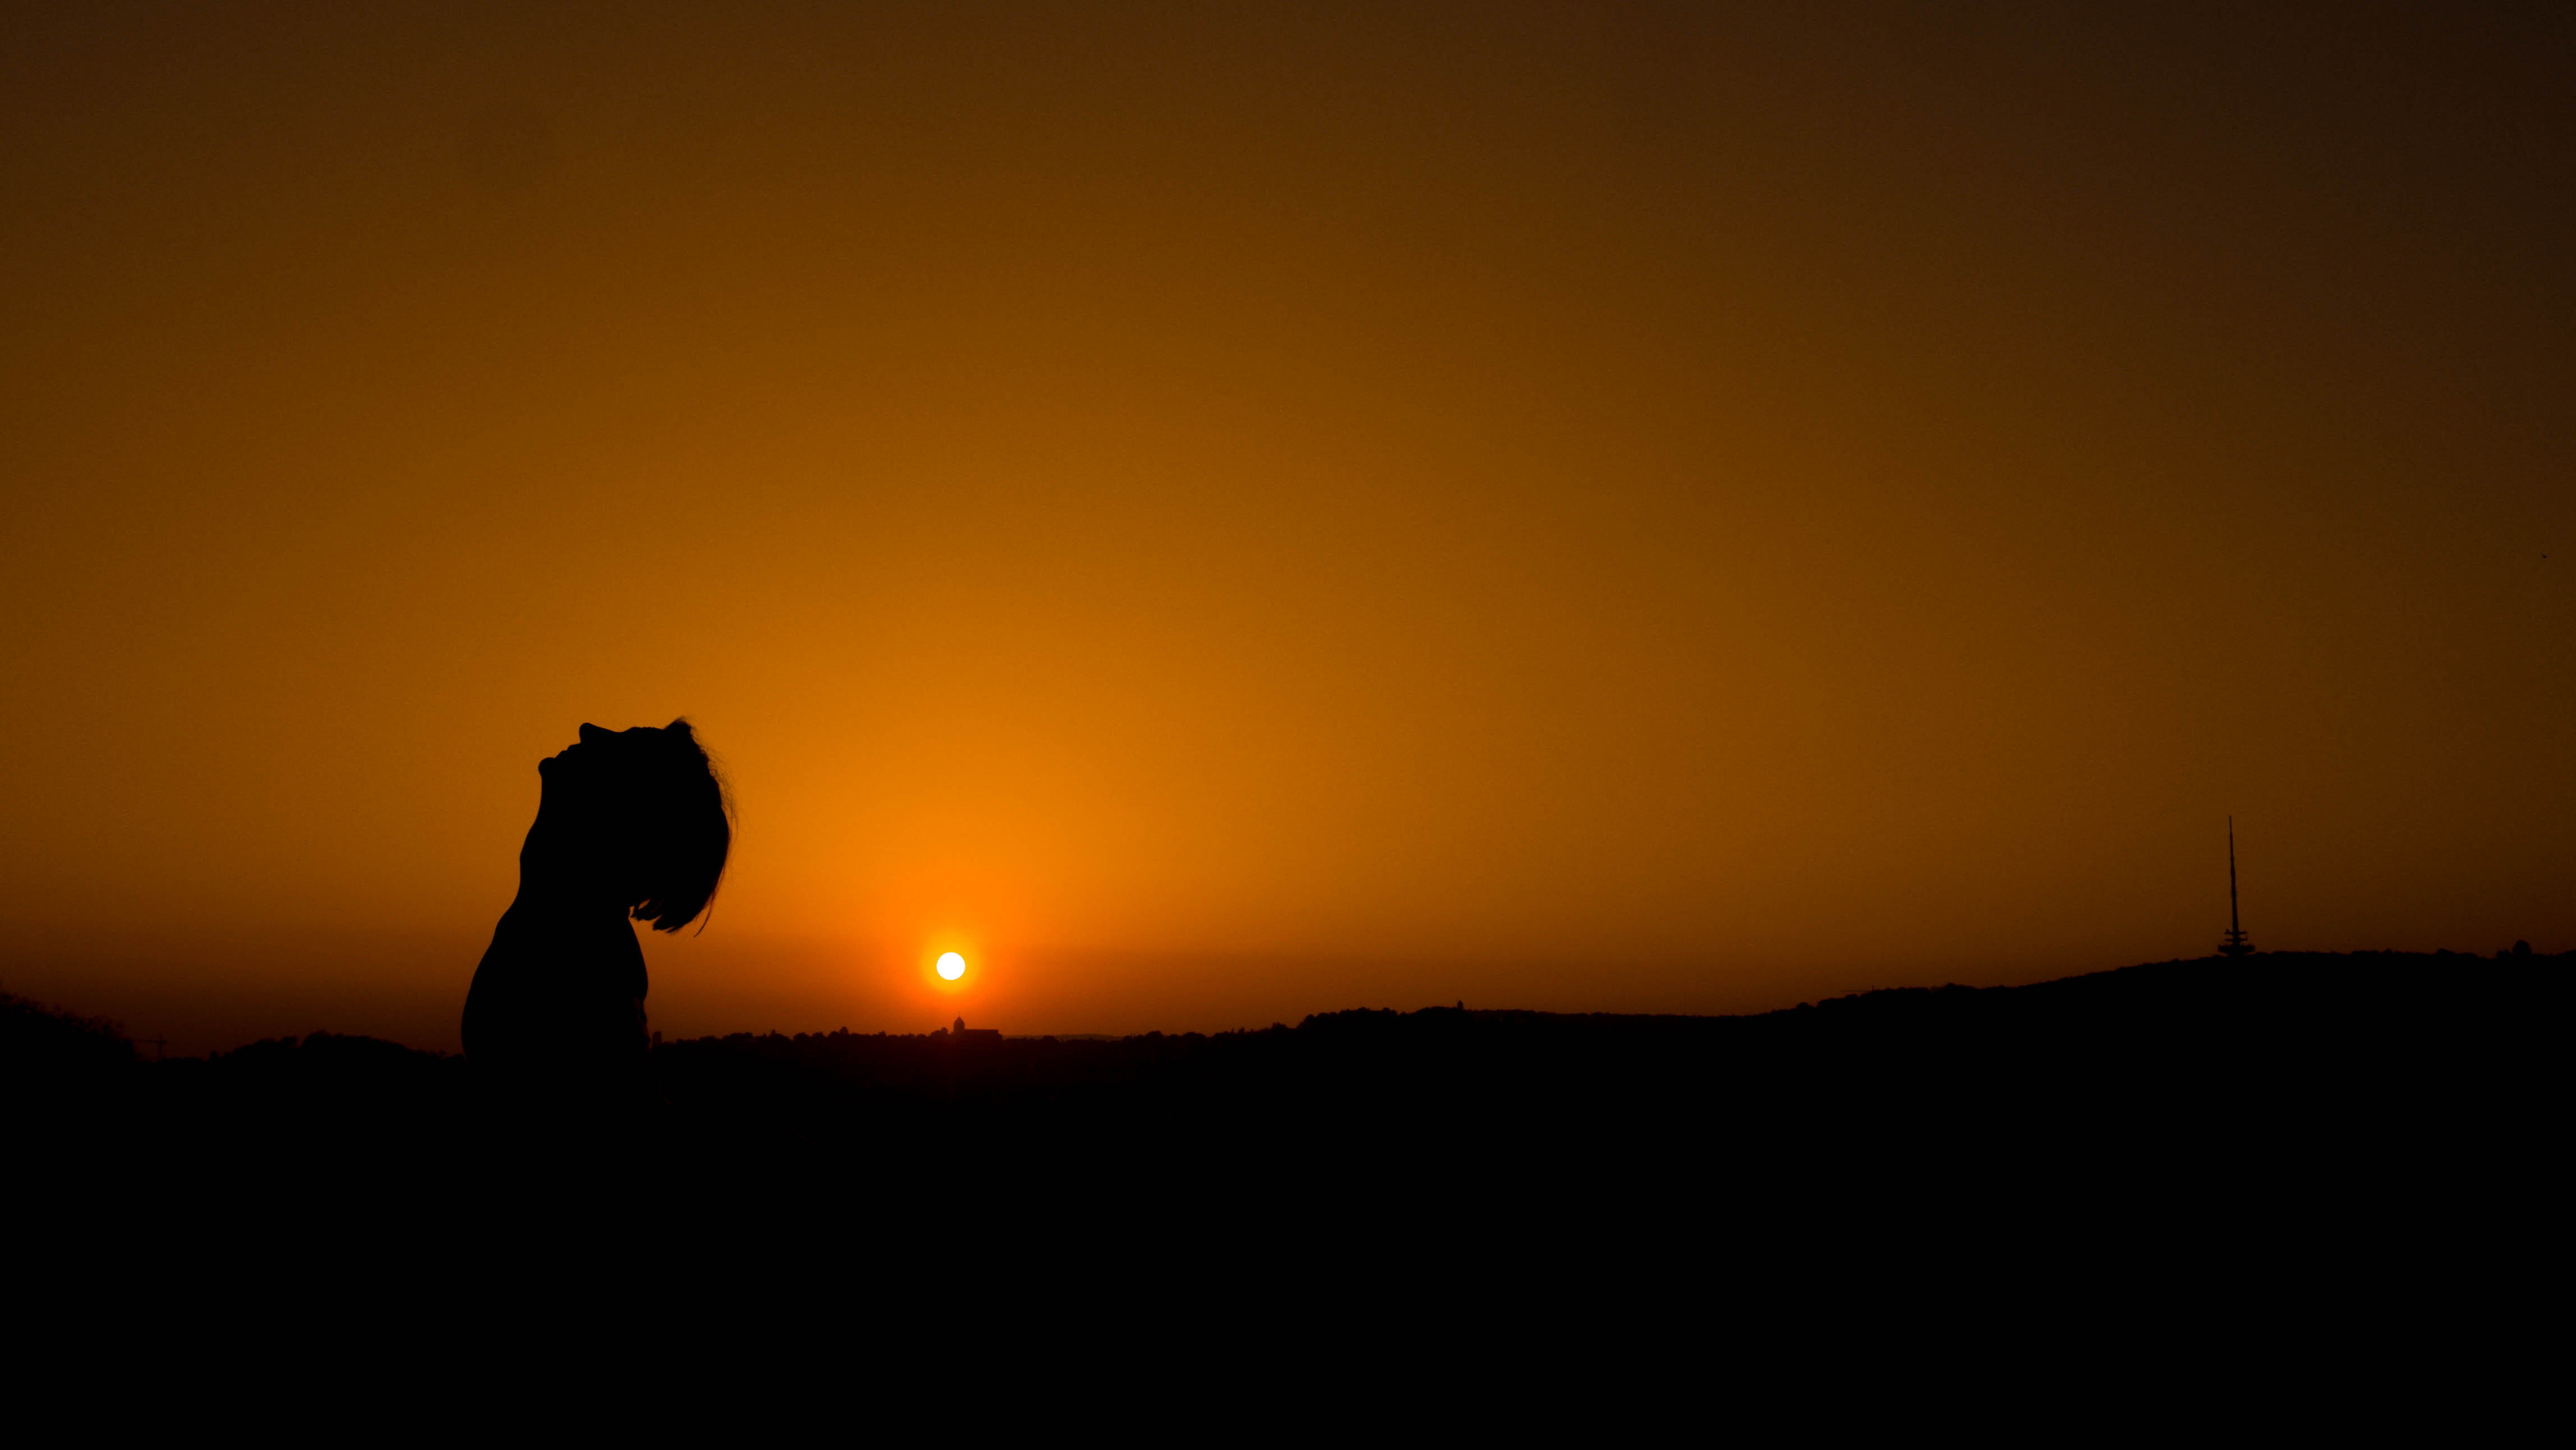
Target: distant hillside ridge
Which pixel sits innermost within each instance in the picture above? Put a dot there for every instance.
(38, 1039)
(2239, 1024)
(2322, 1084)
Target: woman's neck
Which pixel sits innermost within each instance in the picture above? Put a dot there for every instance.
(566, 893)
(563, 872)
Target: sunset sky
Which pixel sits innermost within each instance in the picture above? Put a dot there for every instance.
(1220, 512)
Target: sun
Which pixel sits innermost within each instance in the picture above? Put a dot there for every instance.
(951, 965)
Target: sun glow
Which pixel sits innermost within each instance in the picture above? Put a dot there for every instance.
(951, 965)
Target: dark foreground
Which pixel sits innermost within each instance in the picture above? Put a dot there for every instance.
(2296, 1117)
(2278, 1058)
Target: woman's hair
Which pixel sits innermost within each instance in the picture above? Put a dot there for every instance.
(681, 817)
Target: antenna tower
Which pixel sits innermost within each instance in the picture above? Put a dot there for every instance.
(2236, 945)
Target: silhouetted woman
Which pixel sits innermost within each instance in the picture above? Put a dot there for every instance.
(630, 823)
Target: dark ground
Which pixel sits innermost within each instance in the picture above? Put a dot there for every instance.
(2306, 1135)
(2253, 1066)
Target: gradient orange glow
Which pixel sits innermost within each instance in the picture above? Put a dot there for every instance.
(1216, 513)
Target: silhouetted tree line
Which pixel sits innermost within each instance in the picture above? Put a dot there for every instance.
(2177, 1047)
(40, 1041)
(2288, 1102)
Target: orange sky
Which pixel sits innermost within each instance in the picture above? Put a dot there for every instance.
(1222, 513)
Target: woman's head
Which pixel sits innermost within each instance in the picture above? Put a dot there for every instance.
(648, 811)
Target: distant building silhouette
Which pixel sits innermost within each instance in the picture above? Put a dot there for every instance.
(978, 1034)
(2235, 945)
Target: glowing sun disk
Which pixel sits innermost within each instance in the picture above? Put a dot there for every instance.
(951, 965)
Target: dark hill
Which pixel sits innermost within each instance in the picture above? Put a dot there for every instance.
(2175, 1033)
(40, 1044)
(2277, 1089)
(2199, 1044)
(2283, 1049)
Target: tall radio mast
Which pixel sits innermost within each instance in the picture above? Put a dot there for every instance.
(2236, 945)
